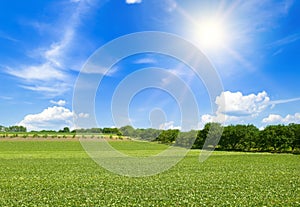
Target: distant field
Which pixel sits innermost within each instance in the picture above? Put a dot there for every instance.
(59, 173)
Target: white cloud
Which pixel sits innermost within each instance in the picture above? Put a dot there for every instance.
(286, 40)
(83, 115)
(272, 118)
(59, 103)
(49, 89)
(98, 68)
(145, 61)
(133, 1)
(44, 72)
(278, 119)
(264, 18)
(169, 125)
(283, 101)
(7, 37)
(236, 107)
(49, 74)
(52, 118)
(6, 97)
(237, 104)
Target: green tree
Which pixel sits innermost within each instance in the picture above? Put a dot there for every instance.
(127, 131)
(168, 136)
(149, 134)
(65, 130)
(277, 136)
(208, 136)
(187, 139)
(251, 138)
(295, 138)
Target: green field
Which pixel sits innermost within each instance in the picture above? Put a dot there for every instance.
(59, 173)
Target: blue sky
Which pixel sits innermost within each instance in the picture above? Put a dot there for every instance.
(253, 45)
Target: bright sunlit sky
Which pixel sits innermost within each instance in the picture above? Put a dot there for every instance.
(253, 45)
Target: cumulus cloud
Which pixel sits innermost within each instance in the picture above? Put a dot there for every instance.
(133, 1)
(278, 119)
(51, 118)
(272, 118)
(235, 106)
(59, 103)
(169, 125)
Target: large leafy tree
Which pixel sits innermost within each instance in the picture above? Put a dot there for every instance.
(187, 139)
(277, 136)
(231, 137)
(168, 136)
(209, 136)
(128, 131)
(295, 138)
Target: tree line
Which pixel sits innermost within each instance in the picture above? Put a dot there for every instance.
(105, 130)
(13, 129)
(273, 138)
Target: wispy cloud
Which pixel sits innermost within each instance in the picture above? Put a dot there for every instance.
(286, 40)
(145, 61)
(44, 72)
(264, 13)
(283, 101)
(48, 90)
(6, 98)
(3, 35)
(277, 52)
(48, 71)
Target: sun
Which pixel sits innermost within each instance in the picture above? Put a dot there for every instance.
(211, 34)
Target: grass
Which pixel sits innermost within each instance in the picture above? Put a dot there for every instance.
(59, 173)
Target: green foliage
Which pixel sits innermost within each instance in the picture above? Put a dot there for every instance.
(59, 173)
(127, 131)
(277, 137)
(168, 136)
(209, 136)
(111, 131)
(64, 130)
(187, 139)
(294, 140)
(15, 129)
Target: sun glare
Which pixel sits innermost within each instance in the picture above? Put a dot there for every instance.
(211, 34)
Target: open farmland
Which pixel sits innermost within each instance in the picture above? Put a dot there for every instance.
(59, 173)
